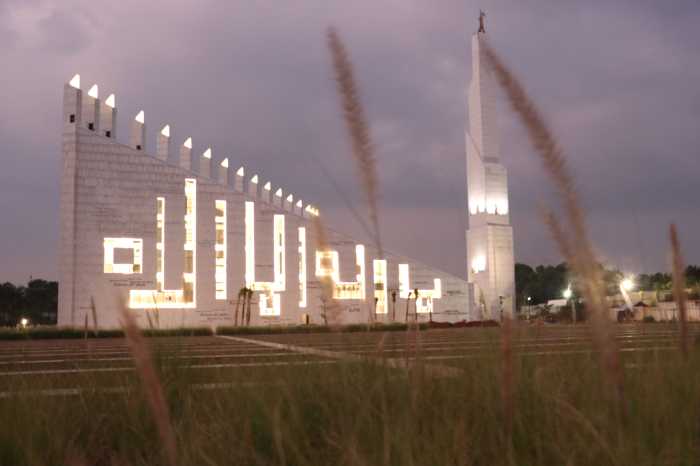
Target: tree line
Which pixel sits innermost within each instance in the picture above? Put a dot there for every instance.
(545, 282)
(37, 302)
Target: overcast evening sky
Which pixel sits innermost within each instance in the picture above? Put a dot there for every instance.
(619, 81)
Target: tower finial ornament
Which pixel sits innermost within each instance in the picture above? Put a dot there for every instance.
(482, 15)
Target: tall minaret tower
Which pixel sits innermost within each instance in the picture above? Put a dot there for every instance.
(490, 236)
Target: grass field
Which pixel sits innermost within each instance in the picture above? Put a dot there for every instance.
(437, 397)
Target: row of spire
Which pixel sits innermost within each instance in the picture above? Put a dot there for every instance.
(138, 138)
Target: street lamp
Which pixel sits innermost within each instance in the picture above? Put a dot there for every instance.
(24, 322)
(627, 284)
(567, 295)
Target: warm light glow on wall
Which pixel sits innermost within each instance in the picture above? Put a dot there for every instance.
(188, 143)
(174, 299)
(479, 264)
(165, 131)
(220, 249)
(111, 101)
(302, 267)
(327, 265)
(207, 153)
(424, 303)
(224, 163)
(134, 244)
(140, 117)
(269, 299)
(380, 291)
(492, 206)
(240, 171)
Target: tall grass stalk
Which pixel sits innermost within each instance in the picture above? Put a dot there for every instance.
(582, 257)
(150, 382)
(358, 128)
(679, 289)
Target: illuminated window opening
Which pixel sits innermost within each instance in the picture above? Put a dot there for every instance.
(479, 263)
(220, 249)
(424, 303)
(133, 244)
(160, 243)
(185, 297)
(302, 267)
(380, 291)
(269, 303)
(327, 265)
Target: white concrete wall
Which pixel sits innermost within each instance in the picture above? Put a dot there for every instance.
(109, 189)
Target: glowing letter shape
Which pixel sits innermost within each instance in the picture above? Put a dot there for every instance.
(424, 303)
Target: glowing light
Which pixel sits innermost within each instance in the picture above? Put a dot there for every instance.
(627, 284)
(312, 210)
(268, 186)
(184, 298)
(188, 143)
(93, 92)
(224, 163)
(302, 267)
(425, 298)
(567, 293)
(75, 81)
(299, 203)
(140, 117)
(327, 265)
(290, 199)
(133, 244)
(24, 322)
(380, 291)
(254, 179)
(207, 153)
(479, 264)
(111, 101)
(165, 131)
(220, 249)
(278, 193)
(240, 172)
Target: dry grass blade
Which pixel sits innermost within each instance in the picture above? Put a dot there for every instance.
(358, 128)
(507, 377)
(582, 258)
(152, 387)
(679, 289)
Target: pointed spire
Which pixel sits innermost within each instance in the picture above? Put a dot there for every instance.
(138, 132)
(186, 154)
(240, 179)
(253, 186)
(205, 163)
(163, 146)
(223, 172)
(75, 81)
(93, 92)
